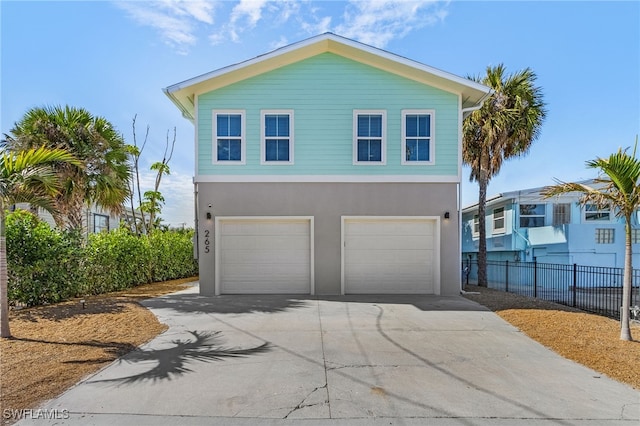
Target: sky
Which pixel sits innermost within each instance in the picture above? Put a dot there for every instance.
(114, 57)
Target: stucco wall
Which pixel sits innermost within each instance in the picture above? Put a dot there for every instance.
(327, 202)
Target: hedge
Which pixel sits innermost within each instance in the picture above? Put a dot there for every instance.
(48, 265)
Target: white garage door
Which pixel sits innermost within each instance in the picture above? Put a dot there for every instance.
(390, 255)
(264, 255)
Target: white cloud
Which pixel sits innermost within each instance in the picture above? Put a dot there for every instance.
(380, 21)
(175, 20)
(182, 22)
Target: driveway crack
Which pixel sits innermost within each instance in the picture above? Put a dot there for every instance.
(303, 403)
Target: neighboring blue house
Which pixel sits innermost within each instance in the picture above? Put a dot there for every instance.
(328, 167)
(522, 226)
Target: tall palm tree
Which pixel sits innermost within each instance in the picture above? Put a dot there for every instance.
(618, 188)
(27, 176)
(504, 127)
(103, 176)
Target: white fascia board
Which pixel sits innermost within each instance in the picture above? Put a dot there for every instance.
(325, 179)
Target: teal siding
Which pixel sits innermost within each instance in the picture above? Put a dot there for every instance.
(323, 91)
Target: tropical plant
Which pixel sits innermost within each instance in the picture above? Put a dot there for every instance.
(504, 127)
(29, 177)
(102, 176)
(617, 187)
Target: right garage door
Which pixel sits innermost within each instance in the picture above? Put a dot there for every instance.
(390, 255)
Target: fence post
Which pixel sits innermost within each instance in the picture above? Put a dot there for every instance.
(506, 275)
(575, 284)
(535, 278)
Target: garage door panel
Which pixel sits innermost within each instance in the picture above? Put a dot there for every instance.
(409, 228)
(262, 242)
(389, 242)
(395, 255)
(264, 255)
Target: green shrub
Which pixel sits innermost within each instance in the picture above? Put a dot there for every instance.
(116, 260)
(44, 264)
(172, 255)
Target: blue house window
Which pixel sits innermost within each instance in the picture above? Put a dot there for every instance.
(593, 212)
(417, 136)
(228, 130)
(369, 137)
(277, 137)
(531, 215)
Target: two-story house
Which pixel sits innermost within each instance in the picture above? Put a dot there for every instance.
(524, 226)
(328, 167)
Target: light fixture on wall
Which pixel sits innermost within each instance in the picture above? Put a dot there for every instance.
(446, 215)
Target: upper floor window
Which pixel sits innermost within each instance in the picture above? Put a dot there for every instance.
(593, 212)
(277, 137)
(369, 137)
(561, 214)
(476, 224)
(498, 219)
(635, 236)
(228, 133)
(531, 215)
(100, 223)
(417, 137)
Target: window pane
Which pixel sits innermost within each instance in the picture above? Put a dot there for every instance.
(369, 150)
(277, 150)
(363, 150)
(283, 125)
(229, 150)
(423, 150)
(532, 209)
(531, 221)
(235, 125)
(271, 125)
(283, 150)
(411, 126)
(222, 123)
(369, 125)
(228, 124)
(417, 150)
(424, 127)
(412, 149)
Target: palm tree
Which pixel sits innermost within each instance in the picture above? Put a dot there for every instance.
(618, 187)
(103, 175)
(504, 127)
(27, 176)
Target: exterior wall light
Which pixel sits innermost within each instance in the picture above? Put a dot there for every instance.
(446, 215)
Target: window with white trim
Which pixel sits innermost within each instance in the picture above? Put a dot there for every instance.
(531, 215)
(498, 219)
(100, 223)
(593, 213)
(277, 137)
(635, 236)
(605, 235)
(228, 137)
(417, 136)
(369, 137)
(476, 224)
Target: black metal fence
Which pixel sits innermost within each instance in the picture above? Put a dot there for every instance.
(589, 288)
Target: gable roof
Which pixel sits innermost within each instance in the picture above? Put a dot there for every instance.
(183, 94)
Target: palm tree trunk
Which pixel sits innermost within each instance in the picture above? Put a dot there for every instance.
(5, 331)
(483, 182)
(625, 331)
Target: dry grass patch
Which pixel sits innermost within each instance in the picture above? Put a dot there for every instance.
(591, 340)
(55, 346)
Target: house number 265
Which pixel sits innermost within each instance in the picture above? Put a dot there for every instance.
(207, 243)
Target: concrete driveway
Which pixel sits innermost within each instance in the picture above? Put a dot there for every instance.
(277, 360)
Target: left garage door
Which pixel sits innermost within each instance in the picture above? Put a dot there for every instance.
(264, 255)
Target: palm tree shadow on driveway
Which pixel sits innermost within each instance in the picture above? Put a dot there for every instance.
(174, 361)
